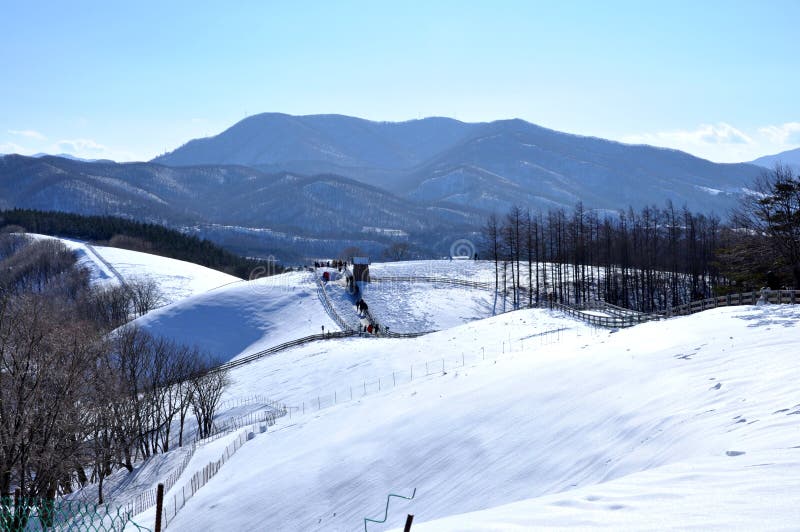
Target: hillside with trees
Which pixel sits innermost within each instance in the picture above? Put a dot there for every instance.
(133, 235)
(81, 393)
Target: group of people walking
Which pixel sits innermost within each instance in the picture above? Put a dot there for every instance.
(371, 327)
(338, 264)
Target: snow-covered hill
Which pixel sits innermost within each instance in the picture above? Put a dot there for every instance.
(686, 423)
(242, 318)
(177, 279)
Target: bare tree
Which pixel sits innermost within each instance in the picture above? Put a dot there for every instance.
(772, 211)
(208, 389)
(145, 295)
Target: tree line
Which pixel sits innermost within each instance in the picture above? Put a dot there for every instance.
(83, 393)
(651, 259)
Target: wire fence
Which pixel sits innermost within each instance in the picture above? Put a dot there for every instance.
(419, 370)
(266, 417)
(178, 499)
(147, 499)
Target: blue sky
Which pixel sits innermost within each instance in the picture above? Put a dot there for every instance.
(128, 80)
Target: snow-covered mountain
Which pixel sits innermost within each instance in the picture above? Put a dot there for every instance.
(485, 165)
(790, 158)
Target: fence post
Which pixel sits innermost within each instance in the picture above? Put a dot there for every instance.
(159, 506)
(409, 519)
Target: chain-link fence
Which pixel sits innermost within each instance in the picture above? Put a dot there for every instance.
(18, 514)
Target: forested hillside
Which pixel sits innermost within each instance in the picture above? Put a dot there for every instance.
(129, 234)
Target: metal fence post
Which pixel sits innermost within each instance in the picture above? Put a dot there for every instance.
(159, 506)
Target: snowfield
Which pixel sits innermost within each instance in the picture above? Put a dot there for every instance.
(178, 279)
(687, 423)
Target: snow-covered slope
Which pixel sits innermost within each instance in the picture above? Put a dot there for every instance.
(243, 318)
(685, 423)
(177, 279)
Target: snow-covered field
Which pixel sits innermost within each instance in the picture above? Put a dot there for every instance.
(418, 307)
(178, 279)
(527, 420)
(687, 423)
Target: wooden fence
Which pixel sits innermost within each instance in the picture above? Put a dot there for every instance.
(775, 297)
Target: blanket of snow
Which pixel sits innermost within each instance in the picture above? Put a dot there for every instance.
(470, 270)
(243, 318)
(419, 307)
(689, 423)
(177, 279)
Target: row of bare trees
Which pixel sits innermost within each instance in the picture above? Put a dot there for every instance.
(647, 260)
(81, 396)
(651, 259)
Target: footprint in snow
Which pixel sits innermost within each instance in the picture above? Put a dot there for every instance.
(734, 453)
(717, 386)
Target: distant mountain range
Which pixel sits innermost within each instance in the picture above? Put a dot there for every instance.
(248, 210)
(488, 166)
(789, 158)
(304, 185)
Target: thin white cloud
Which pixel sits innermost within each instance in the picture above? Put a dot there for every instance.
(705, 134)
(12, 147)
(787, 134)
(81, 147)
(27, 133)
(91, 149)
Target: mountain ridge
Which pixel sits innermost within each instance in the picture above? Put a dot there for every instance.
(491, 165)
